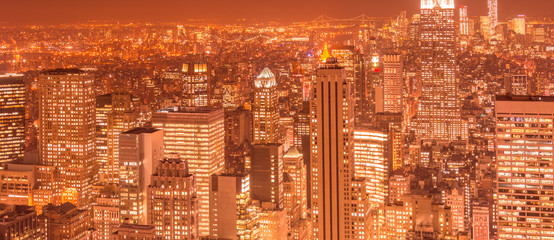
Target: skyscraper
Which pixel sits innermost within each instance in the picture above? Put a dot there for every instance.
(493, 16)
(196, 77)
(12, 117)
(267, 173)
(524, 154)
(332, 154)
(265, 111)
(439, 108)
(114, 115)
(352, 60)
(196, 134)
(464, 22)
(231, 211)
(67, 132)
(393, 83)
(141, 150)
(370, 162)
(172, 201)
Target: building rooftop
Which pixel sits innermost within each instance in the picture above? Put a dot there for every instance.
(524, 98)
(141, 130)
(177, 109)
(62, 71)
(9, 213)
(293, 153)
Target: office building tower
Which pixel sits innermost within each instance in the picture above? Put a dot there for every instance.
(172, 201)
(370, 162)
(464, 22)
(295, 169)
(332, 154)
(518, 25)
(266, 174)
(105, 212)
(67, 132)
(232, 215)
(399, 185)
(393, 82)
(493, 17)
(19, 222)
(265, 110)
(439, 108)
(516, 84)
(197, 135)
(196, 79)
(114, 115)
(12, 117)
(485, 28)
(272, 222)
(398, 221)
(480, 221)
(141, 149)
(16, 184)
(352, 60)
(524, 154)
(65, 221)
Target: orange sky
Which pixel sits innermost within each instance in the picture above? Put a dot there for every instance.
(71, 11)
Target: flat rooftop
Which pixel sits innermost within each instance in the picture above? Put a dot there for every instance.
(188, 110)
(140, 130)
(524, 98)
(62, 71)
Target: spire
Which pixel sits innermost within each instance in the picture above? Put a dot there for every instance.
(325, 54)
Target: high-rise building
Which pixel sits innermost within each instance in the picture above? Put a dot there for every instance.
(105, 212)
(172, 201)
(524, 154)
(266, 176)
(231, 211)
(12, 117)
(65, 221)
(272, 222)
(464, 22)
(393, 82)
(518, 25)
(516, 84)
(480, 221)
(295, 194)
(19, 222)
(493, 17)
(197, 135)
(114, 115)
(141, 150)
(332, 154)
(265, 110)
(196, 77)
(370, 163)
(67, 132)
(295, 168)
(353, 63)
(439, 116)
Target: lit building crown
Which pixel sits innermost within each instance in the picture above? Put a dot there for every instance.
(430, 4)
(266, 79)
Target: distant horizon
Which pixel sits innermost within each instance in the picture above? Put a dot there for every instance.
(54, 12)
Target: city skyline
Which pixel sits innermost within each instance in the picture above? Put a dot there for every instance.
(425, 120)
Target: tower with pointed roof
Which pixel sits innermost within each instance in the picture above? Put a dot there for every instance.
(265, 109)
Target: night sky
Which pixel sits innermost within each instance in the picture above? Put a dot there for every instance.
(16, 12)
